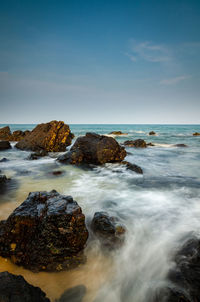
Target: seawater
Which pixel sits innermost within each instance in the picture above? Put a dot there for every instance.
(160, 209)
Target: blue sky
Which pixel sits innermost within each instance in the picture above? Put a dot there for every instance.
(100, 61)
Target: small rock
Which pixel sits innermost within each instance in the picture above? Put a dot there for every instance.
(138, 143)
(14, 288)
(37, 155)
(4, 145)
(196, 134)
(74, 294)
(132, 167)
(3, 160)
(150, 145)
(180, 145)
(118, 133)
(152, 133)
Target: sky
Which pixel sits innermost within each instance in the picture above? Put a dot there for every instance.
(105, 61)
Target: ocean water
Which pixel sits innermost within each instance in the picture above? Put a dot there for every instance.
(160, 209)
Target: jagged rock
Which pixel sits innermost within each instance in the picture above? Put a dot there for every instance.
(4, 145)
(152, 133)
(94, 149)
(3, 160)
(132, 167)
(74, 294)
(118, 133)
(18, 135)
(108, 229)
(37, 155)
(196, 134)
(52, 137)
(14, 288)
(46, 232)
(138, 143)
(5, 133)
(180, 145)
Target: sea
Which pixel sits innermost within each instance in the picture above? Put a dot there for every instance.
(160, 209)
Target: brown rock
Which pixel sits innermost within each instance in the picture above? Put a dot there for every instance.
(118, 133)
(4, 145)
(196, 134)
(138, 143)
(5, 133)
(152, 133)
(52, 137)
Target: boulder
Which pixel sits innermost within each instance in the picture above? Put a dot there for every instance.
(37, 155)
(52, 137)
(108, 229)
(118, 133)
(14, 288)
(196, 134)
(4, 145)
(152, 133)
(132, 167)
(94, 149)
(138, 143)
(5, 133)
(74, 294)
(47, 232)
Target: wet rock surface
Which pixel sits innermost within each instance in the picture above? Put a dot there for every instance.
(3, 160)
(74, 294)
(4, 145)
(132, 167)
(108, 229)
(138, 143)
(37, 155)
(52, 137)
(6, 134)
(152, 133)
(14, 288)
(46, 232)
(196, 134)
(94, 149)
(118, 133)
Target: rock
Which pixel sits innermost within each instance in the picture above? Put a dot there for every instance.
(4, 145)
(74, 294)
(37, 155)
(180, 145)
(3, 180)
(52, 137)
(132, 167)
(56, 173)
(196, 134)
(3, 160)
(150, 145)
(152, 133)
(46, 232)
(94, 149)
(5, 133)
(118, 133)
(138, 143)
(14, 288)
(108, 229)
(17, 135)
(170, 295)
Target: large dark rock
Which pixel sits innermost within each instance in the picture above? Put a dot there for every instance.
(118, 133)
(74, 294)
(15, 289)
(108, 229)
(138, 143)
(152, 133)
(4, 145)
(52, 137)
(46, 232)
(5, 133)
(94, 149)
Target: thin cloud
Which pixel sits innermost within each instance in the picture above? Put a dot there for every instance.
(149, 51)
(175, 80)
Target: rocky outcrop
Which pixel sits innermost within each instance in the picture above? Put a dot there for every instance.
(196, 134)
(152, 133)
(37, 155)
(138, 143)
(117, 133)
(52, 137)
(74, 294)
(94, 149)
(108, 229)
(5, 134)
(4, 145)
(15, 289)
(46, 232)
(132, 167)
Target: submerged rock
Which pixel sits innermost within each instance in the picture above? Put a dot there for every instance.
(118, 133)
(94, 149)
(46, 232)
(108, 229)
(180, 145)
(3, 160)
(152, 133)
(132, 167)
(138, 143)
(74, 294)
(14, 288)
(37, 155)
(4, 145)
(196, 134)
(52, 137)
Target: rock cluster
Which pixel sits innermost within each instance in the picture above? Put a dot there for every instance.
(94, 149)
(52, 137)
(5, 134)
(46, 232)
(15, 289)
